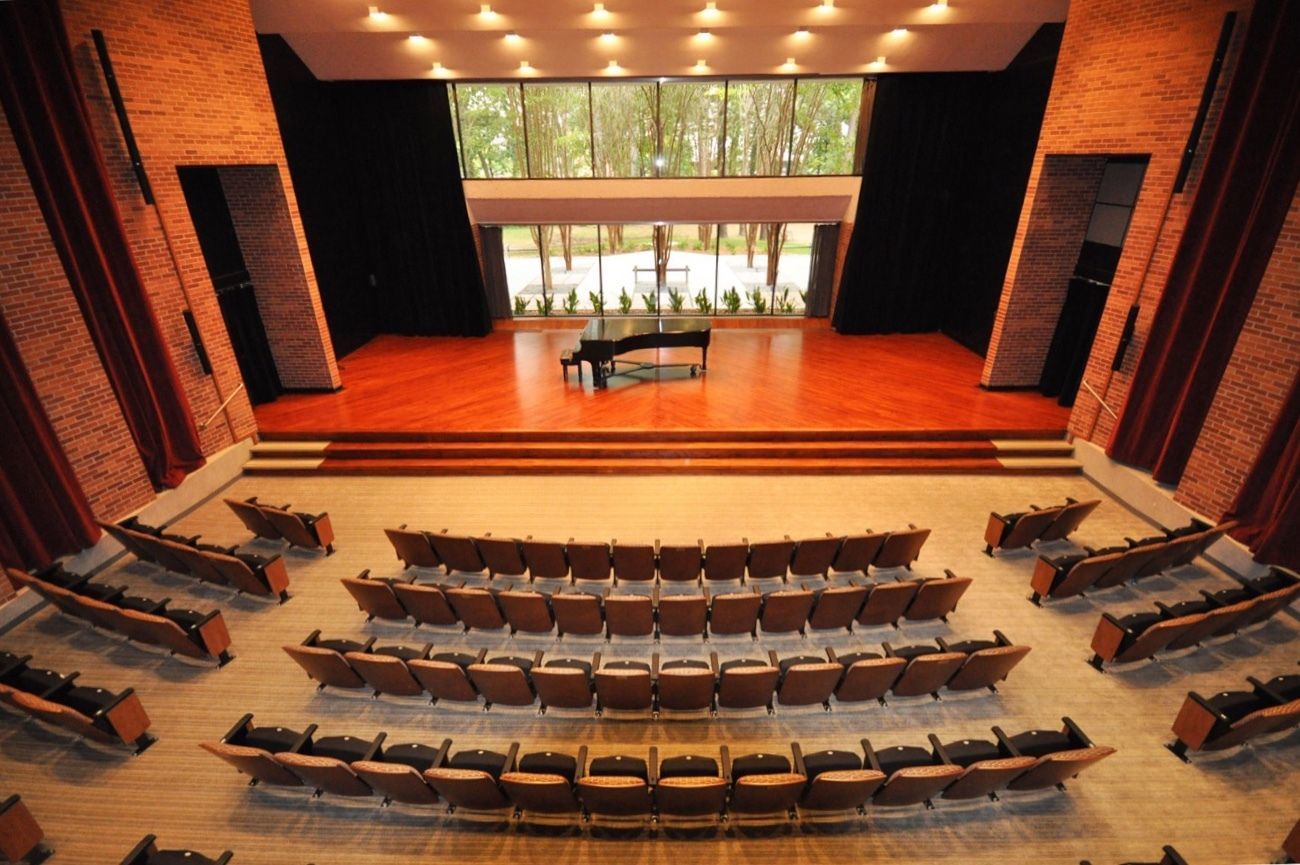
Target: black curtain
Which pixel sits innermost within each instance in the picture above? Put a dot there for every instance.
(821, 270)
(1067, 357)
(948, 158)
(494, 270)
(249, 341)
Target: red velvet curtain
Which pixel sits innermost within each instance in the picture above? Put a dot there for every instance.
(48, 115)
(43, 512)
(1268, 505)
(1248, 182)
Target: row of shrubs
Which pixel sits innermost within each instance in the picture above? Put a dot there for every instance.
(732, 302)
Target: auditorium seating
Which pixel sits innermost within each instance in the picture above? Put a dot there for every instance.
(1141, 636)
(147, 622)
(1070, 575)
(147, 853)
(605, 612)
(1291, 846)
(682, 687)
(1022, 529)
(309, 531)
(640, 789)
(21, 837)
(61, 701)
(644, 564)
(1170, 857)
(260, 576)
(1233, 718)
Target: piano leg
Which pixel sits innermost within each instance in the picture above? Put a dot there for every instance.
(704, 363)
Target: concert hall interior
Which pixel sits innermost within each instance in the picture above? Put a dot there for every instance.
(729, 431)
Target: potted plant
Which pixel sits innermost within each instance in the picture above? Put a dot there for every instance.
(521, 306)
(651, 302)
(545, 304)
(731, 299)
(758, 300)
(702, 304)
(597, 302)
(625, 302)
(676, 300)
(571, 302)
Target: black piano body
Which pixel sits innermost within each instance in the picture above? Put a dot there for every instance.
(603, 339)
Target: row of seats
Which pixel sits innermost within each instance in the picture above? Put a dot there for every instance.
(1021, 529)
(1140, 636)
(1067, 576)
(147, 853)
(547, 785)
(1232, 718)
(309, 531)
(1170, 857)
(511, 558)
(61, 701)
(677, 686)
(223, 566)
(21, 837)
(202, 636)
(694, 614)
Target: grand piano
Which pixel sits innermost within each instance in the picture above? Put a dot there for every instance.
(605, 338)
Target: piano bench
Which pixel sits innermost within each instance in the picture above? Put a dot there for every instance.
(566, 361)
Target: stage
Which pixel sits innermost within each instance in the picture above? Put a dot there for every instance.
(770, 397)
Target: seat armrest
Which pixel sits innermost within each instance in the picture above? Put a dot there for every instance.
(364, 575)
(772, 658)
(376, 747)
(311, 638)
(1076, 733)
(713, 662)
(831, 656)
(62, 685)
(799, 766)
(939, 751)
(114, 703)
(582, 764)
(1004, 743)
(304, 741)
(243, 725)
(440, 758)
(482, 654)
(1264, 690)
(725, 753)
(595, 662)
(652, 766)
(508, 765)
(942, 643)
(869, 755)
(889, 650)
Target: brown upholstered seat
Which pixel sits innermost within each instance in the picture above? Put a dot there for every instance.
(256, 763)
(502, 556)
(813, 556)
(686, 689)
(375, 598)
(1049, 581)
(325, 665)
(915, 784)
(458, 553)
(808, 684)
(768, 795)
(59, 715)
(869, 679)
(900, 549)
(837, 607)
(786, 611)
(1058, 767)
(886, 602)
(747, 687)
(634, 563)
(326, 774)
(683, 615)
(984, 668)
(735, 613)
(426, 604)
(385, 673)
(1070, 518)
(615, 795)
(562, 686)
(769, 560)
(857, 552)
(1130, 564)
(502, 683)
(681, 563)
(935, 599)
(546, 560)
(625, 690)
(1016, 531)
(589, 562)
(470, 789)
(540, 793)
(529, 612)
(396, 782)
(270, 578)
(691, 796)
(841, 790)
(1114, 642)
(253, 519)
(413, 548)
(444, 680)
(629, 615)
(302, 530)
(926, 674)
(726, 562)
(476, 608)
(578, 613)
(986, 777)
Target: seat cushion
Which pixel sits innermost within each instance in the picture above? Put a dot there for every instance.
(688, 766)
(270, 739)
(137, 603)
(1238, 704)
(787, 663)
(1286, 687)
(33, 680)
(626, 665)
(1189, 608)
(853, 657)
(910, 652)
(87, 701)
(966, 752)
(759, 764)
(346, 748)
(685, 664)
(1036, 743)
(549, 763)
(1139, 622)
(406, 653)
(418, 757)
(484, 761)
(619, 765)
(185, 618)
(340, 646)
(969, 646)
(524, 664)
(570, 663)
(830, 761)
(460, 659)
(903, 757)
(739, 663)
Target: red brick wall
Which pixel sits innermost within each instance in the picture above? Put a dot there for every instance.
(1254, 386)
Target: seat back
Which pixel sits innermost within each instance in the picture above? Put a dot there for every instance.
(235, 572)
(725, 561)
(916, 784)
(1156, 637)
(691, 796)
(458, 553)
(325, 773)
(634, 563)
(253, 762)
(291, 528)
(837, 607)
(502, 683)
(470, 789)
(1085, 574)
(766, 794)
(137, 627)
(857, 552)
(476, 608)
(325, 666)
(615, 795)
(59, 715)
(686, 689)
(809, 684)
(786, 610)
(1220, 620)
(540, 793)
(589, 561)
(396, 781)
(630, 615)
(987, 777)
(1258, 723)
(680, 563)
(443, 680)
(928, 673)
(683, 615)
(414, 549)
(770, 559)
(562, 687)
(886, 602)
(747, 687)
(103, 615)
(198, 566)
(385, 673)
(841, 789)
(167, 633)
(527, 612)
(935, 599)
(1052, 769)
(900, 549)
(426, 604)
(987, 667)
(545, 560)
(375, 598)
(1070, 518)
(813, 556)
(735, 613)
(1130, 563)
(253, 519)
(624, 690)
(577, 613)
(502, 556)
(869, 680)
(1029, 528)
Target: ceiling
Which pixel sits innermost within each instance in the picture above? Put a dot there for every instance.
(339, 39)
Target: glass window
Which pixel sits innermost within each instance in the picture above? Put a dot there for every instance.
(690, 128)
(793, 270)
(572, 275)
(455, 128)
(622, 117)
(491, 130)
(758, 127)
(559, 130)
(524, 282)
(825, 126)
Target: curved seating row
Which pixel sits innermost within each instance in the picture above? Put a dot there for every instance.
(529, 559)
(1232, 718)
(1022, 529)
(1066, 576)
(109, 609)
(687, 686)
(546, 785)
(223, 566)
(1140, 636)
(309, 531)
(21, 837)
(147, 853)
(1170, 857)
(696, 613)
(61, 701)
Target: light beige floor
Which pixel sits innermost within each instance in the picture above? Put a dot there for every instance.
(1232, 809)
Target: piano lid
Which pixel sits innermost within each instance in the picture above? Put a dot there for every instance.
(615, 329)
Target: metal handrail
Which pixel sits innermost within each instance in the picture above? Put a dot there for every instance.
(1110, 411)
(233, 393)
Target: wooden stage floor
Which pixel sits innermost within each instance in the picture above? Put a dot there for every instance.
(761, 381)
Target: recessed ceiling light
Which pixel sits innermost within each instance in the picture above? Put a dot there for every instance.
(512, 36)
(613, 67)
(485, 9)
(789, 63)
(939, 4)
(710, 9)
(599, 9)
(417, 39)
(525, 66)
(439, 69)
(827, 5)
(802, 32)
(704, 34)
(608, 36)
(898, 32)
(376, 12)
(701, 66)
(879, 61)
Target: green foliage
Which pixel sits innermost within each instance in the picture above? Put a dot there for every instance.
(545, 304)
(803, 297)
(624, 302)
(651, 302)
(597, 302)
(521, 305)
(676, 300)
(783, 303)
(559, 131)
(571, 301)
(759, 301)
(702, 304)
(731, 300)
